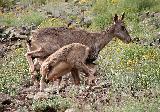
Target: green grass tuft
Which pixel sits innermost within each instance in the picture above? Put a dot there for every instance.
(13, 71)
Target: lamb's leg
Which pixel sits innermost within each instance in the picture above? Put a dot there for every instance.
(58, 71)
(59, 80)
(42, 83)
(86, 70)
(75, 75)
(53, 76)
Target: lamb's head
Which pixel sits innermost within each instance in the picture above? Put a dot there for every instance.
(119, 29)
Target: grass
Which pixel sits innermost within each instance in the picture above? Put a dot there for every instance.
(52, 22)
(7, 3)
(128, 67)
(55, 104)
(132, 105)
(27, 17)
(133, 70)
(105, 10)
(14, 70)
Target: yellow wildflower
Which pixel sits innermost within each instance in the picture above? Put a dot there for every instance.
(84, 1)
(115, 1)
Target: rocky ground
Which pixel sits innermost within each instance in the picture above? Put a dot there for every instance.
(82, 97)
(82, 94)
(12, 38)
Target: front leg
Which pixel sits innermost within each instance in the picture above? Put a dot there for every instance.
(75, 75)
(39, 53)
(30, 62)
(42, 83)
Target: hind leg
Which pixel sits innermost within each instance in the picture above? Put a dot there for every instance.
(30, 56)
(88, 71)
(42, 83)
(40, 53)
(75, 75)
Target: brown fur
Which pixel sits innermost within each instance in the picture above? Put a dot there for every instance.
(38, 62)
(47, 40)
(63, 60)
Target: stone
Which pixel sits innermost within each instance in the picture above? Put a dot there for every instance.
(41, 95)
(71, 110)
(30, 96)
(5, 99)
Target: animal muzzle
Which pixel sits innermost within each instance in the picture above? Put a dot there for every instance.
(128, 40)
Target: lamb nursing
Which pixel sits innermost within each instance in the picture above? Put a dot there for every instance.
(46, 41)
(63, 60)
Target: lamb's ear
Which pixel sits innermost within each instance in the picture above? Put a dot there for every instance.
(123, 16)
(115, 18)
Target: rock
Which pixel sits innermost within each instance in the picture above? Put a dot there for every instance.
(71, 110)
(1, 108)
(9, 30)
(30, 96)
(3, 49)
(41, 95)
(5, 99)
(2, 29)
(86, 21)
(157, 14)
(106, 84)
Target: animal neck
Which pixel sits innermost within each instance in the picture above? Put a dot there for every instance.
(106, 37)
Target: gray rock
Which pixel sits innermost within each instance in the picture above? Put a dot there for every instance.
(5, 99)
(41, 95)
(71, 110)
(3, 49)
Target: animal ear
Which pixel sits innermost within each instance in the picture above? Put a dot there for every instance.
(123, 16)
(115, 18)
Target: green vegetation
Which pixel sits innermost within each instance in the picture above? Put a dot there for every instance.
(52, 22)
(133, 69)
(128, 67)
(54, 104)
(134, 106)
(27, 17)
(14, 70)
(7, 3)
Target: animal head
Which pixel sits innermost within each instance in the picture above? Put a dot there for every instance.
(120, 30)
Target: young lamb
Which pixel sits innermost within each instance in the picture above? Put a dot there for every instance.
(63, 60)
(38, 62)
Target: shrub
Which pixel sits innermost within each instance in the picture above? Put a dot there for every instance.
(13, 71)
(131, 66)
(31, 17)
(52, 104)
(8, 19)
(105, 9)
(32, 2)
(52, 22)
(28, 17)
(131, 105)
(7, 3)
